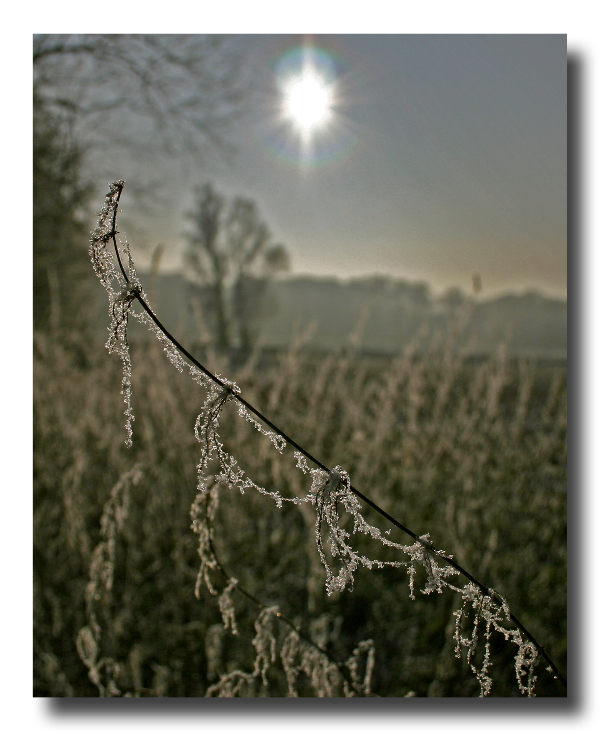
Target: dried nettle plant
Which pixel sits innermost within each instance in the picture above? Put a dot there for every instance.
(483, 610)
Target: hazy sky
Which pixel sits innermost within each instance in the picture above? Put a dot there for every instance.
(443, 156)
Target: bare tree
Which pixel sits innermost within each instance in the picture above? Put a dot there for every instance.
(231, 254)
(104, 102)
(177, 90)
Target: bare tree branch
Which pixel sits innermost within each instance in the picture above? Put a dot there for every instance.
(184, 89)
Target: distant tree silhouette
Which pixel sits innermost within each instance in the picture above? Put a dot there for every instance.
(232, 257)
(60, 198)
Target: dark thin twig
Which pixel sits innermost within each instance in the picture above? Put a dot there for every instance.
(426, 543)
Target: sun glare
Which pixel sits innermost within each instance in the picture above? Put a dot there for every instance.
(307, 101)
(307, 127)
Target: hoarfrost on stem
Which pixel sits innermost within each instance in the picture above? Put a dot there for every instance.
(330, 490)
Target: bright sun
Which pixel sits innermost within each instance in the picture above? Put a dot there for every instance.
(307, 100)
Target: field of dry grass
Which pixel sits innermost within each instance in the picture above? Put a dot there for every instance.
(472, 452)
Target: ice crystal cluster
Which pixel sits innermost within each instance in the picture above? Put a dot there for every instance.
(122, 286)
(328, 492)
(491, 613)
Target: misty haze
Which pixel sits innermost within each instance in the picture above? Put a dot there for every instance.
(299, 366)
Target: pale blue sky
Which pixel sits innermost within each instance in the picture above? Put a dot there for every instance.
(448, 157)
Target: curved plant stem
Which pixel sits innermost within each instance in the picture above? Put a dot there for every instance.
(427, 544)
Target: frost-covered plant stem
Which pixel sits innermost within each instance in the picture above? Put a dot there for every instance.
(330, 487)
(203, 512)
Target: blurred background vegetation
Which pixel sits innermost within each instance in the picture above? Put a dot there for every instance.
(470, 448)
